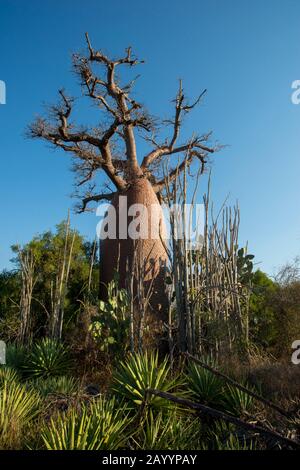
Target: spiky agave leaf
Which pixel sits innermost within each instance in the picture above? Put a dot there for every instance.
(18, 407)
(204, 386)
(8, 375)
(62, 385)
(168, 431)
(233, 442)
(48, 358)
(114, 422)
(237, 401)
(100, 426)
(141, 372)
(226, 437)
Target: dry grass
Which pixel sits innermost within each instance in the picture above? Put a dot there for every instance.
(281, 379)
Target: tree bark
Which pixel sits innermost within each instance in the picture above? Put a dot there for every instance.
(144, 257)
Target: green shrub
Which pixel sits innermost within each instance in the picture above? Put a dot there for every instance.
(110, 328)
(48, 358)
(16, 356)
(100, 426)
(141, 372)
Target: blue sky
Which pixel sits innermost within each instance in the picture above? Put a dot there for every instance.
(246, 53)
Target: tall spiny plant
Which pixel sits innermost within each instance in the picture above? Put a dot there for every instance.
(210, 276)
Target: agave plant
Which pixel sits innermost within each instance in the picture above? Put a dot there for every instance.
(8, 375)
(237, 401)
(48, 358)
(204, 386)
(100, 426)
(63, 385)
(169, 431)
(154, 432)
(18, 407)
(113, 419)
(233, 442)
(225, 436)
(141, 372)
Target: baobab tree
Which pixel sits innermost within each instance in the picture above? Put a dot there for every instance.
(110, 148)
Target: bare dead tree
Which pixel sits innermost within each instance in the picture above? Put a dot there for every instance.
(28, 276)
(94, 149)
(288, 273)
(59, 290)
(110, 147)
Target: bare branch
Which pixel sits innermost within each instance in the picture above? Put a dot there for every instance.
(96, 198)
(181, 106)
(62, 137)
(173, 174)
(166, 150)
(120, 98)
(94, 149)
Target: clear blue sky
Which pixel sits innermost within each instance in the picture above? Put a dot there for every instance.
(246, 52)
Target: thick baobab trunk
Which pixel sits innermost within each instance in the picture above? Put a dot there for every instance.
(140, 262)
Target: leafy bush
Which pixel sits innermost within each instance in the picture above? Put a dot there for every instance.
(48, 358)
(16, 356)
(18, 407)
(262, 310)
(100, 426)
(110, 327)
(141, 372)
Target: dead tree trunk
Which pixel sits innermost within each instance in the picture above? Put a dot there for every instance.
(61, 284)
(111, 148)
(27, 263)
(137, 250)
